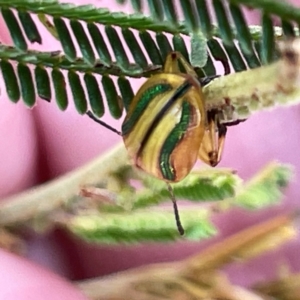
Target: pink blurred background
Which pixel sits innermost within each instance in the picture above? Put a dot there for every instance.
(42, 143)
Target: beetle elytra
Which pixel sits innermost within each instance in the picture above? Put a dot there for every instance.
(167, 129)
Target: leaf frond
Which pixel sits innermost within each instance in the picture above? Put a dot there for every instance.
(146, 223)
(231, 41)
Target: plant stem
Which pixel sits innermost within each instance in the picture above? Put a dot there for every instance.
(53, 195)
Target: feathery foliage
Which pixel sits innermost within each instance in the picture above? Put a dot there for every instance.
(149, 37)
(144, 223)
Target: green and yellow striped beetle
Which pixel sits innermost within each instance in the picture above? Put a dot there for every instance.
(166, 128)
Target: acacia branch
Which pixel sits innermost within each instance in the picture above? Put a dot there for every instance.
(52, 195)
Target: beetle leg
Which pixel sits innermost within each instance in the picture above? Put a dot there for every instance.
(213, 140)
(171, 64)
(206, 80)
(176, 212)
(221, 140)
(90, 114)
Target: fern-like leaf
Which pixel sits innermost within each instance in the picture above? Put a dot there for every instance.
(230, 41)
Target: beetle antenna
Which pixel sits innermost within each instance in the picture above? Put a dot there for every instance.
(176, 212)
(90, 114)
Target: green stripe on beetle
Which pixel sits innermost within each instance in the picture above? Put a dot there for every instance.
(168, 171)
(149, 94)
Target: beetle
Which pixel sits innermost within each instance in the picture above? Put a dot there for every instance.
(167, 129)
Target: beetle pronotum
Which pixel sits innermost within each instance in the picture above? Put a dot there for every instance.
(166, 127)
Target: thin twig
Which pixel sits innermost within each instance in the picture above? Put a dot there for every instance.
(240, 94)
(54, 194)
